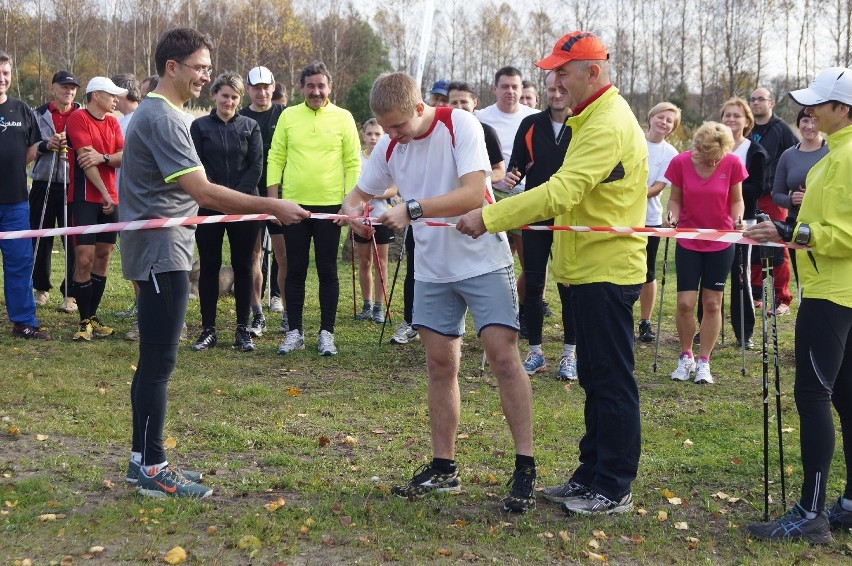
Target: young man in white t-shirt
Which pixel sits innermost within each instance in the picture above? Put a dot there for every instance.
(437, 159)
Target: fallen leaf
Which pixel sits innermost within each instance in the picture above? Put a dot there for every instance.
(667, 493)
(273, 505)
(169, 444)
(635, 539)
(463, 436)
(96, 549)
(442, 552)
(459, 523)
(599, 535)
(212, 530)
(309, 522)
(323, 440)
(14, 431)
(662, 516)
(41, 437)
(492, 479)
(102, 390)
(378, 431)
(735, 461)
(564, 536)
(293, 392)
(546, 534)
(786, 430)
(10, 504)
(175, 555)
(594, 556)
(681, 526)
(733, 499)
(345, 521)
(350, 441)
(675, 500)
(721, 495)
(687, 443)
(249, 543)
(67, 560)
(594, 544)
(641, 512)
(133, 368)
(108, 484)
(469, 556)
(47, 517)
(304, 529)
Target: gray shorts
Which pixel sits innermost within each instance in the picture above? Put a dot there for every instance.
(492, 299)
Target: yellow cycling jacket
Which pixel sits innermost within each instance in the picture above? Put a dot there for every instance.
(825, 271)
(315, 154)
(603, 182)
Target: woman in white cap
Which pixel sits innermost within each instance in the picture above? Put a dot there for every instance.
(824, 322)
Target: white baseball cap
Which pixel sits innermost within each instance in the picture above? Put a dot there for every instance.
(831, 84)
(102, 83)
(260, 75)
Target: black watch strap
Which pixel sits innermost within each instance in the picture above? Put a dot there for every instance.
(784, 230)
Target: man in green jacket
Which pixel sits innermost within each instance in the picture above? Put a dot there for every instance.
(601, 183)
(315, 158)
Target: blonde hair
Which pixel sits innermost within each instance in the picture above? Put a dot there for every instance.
(231, 79)
(713, 140)
(743, 105)
(394, 91)
(665, 107)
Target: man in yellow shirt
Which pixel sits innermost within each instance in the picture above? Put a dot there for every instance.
(315, 157)
(601, 183)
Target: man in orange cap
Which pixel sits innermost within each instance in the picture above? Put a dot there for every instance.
(601, 183)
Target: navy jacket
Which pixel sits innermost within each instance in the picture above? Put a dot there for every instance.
(231, 152)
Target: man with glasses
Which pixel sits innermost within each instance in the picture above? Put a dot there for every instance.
(775, 136)
(162, 177)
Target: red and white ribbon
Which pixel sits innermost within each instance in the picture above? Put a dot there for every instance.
(706, 234)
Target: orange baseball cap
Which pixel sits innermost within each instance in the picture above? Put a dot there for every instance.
(576, 46)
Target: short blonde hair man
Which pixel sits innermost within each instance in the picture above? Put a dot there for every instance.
(394, 91)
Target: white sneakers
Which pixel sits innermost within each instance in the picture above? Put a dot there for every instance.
(686, 367)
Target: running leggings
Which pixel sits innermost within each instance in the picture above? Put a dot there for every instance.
(536, 246)
(326, 238)
(162, 310)
(242, 237)
(823, 378)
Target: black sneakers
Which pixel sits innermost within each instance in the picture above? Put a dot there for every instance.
(839, 519)
(646, 334)
(522, 495)
(794, 525)
(427, 479)
(242, 339)
(29, 332)
(207, 340)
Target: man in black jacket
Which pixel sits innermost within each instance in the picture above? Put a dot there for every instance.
(539, 151)
(775, 136)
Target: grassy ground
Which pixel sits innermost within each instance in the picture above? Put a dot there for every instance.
(302, 450)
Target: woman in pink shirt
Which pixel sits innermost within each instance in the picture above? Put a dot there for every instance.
(706, 192)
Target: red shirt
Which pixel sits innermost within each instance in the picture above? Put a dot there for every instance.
(60, 118)
(104, 136)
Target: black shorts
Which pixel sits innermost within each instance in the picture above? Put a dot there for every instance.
(710, 269)
(88, 214)
(651, 261)
(384, 235)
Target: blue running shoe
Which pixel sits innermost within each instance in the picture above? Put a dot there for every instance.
(794, 525)
(535, 363)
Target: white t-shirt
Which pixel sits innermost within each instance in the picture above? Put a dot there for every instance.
(507, 126)
(659, 157)
(431, 166)
(378, 206)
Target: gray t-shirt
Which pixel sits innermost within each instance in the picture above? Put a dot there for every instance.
(157, 150)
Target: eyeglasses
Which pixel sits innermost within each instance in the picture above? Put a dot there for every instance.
(759, 99)
(199, 69)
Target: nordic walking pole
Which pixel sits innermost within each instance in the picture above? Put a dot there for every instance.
(381, 277)
(778, 394)
(352, 254)
(740, 260)
(266, 251)
(43, 210)
(395, 275)
(67, 276)
(765, 258)
(662, 295)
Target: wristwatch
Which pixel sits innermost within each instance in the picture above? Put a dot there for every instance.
(415, 211)
(803, 235)
(106, 158)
